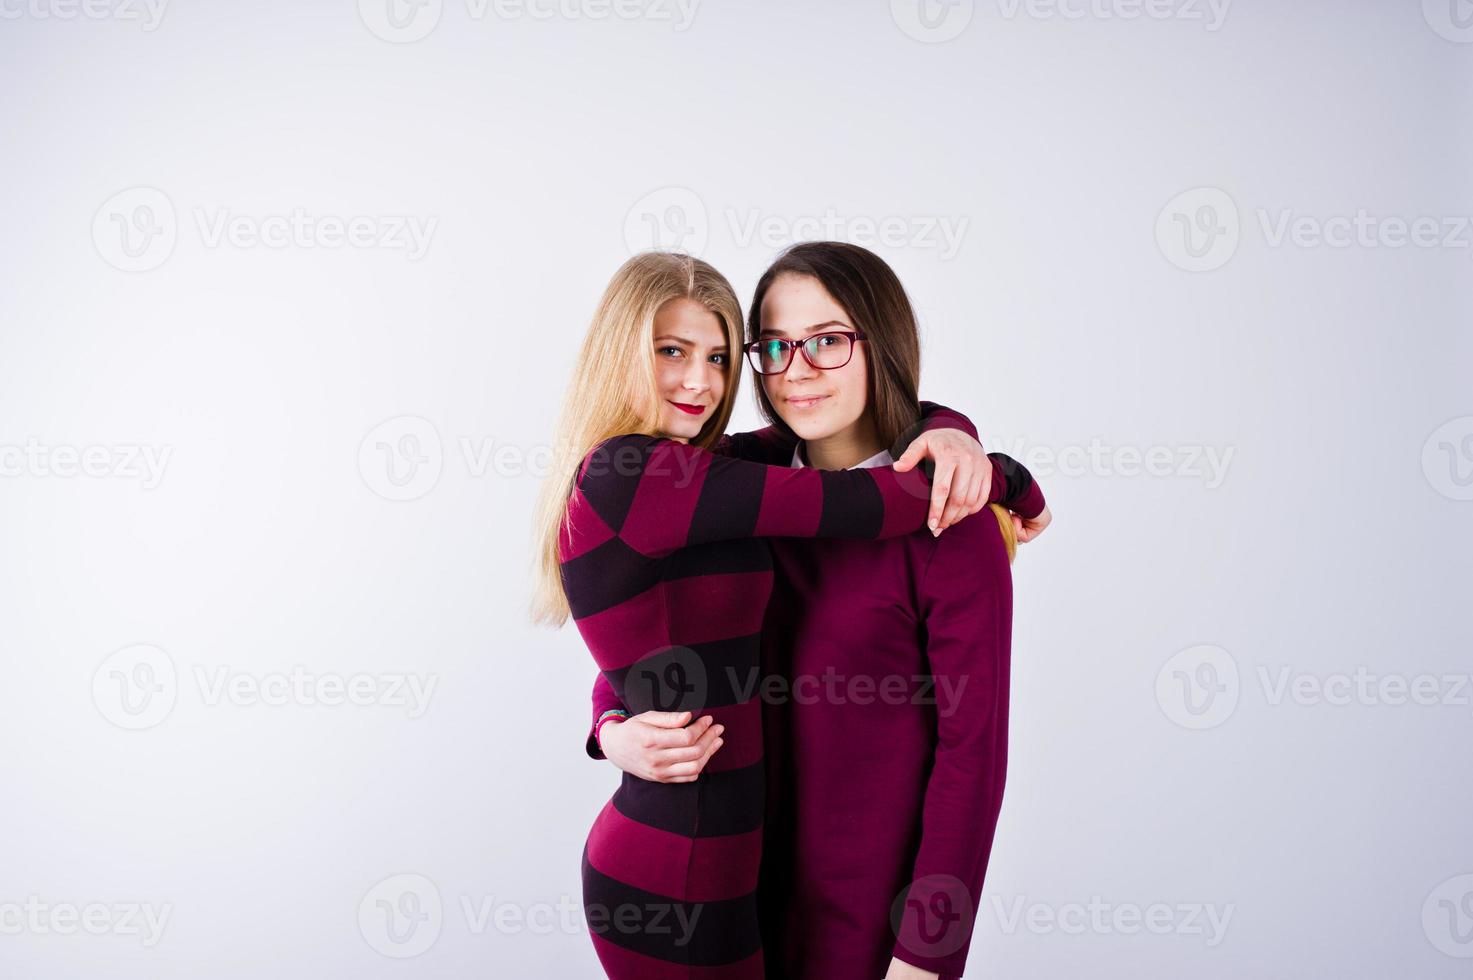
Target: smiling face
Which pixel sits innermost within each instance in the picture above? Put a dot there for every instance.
(816, 404)
(692, 365)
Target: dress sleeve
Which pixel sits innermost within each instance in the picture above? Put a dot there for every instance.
(774, 447)
(766, 445)
(604, 698)
(966, 605)
(658, 496)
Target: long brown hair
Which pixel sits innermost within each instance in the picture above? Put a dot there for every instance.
(617, 360)
(868, 290)
(870, 293)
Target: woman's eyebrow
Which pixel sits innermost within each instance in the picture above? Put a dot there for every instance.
(682, 340)
(766, 331)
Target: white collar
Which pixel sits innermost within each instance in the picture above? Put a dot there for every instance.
(881, 458)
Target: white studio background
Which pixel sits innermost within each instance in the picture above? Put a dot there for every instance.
(289, 299)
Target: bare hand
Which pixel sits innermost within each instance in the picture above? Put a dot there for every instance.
(662, 746)
(963, 477)
(901, 970)
(1029, 528)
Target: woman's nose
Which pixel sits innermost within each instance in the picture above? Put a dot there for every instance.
(698, 377)
(800, 369)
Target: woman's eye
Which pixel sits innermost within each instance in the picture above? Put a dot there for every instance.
(720, 359)
(677, 350)
(826, 341)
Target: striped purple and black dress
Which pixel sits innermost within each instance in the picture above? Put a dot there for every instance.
(668, 576)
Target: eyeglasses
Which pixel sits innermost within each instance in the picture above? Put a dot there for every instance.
(824, 351)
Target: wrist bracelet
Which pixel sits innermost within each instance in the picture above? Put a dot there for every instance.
(604, 719)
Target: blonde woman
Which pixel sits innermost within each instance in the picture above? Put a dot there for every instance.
(653, 544)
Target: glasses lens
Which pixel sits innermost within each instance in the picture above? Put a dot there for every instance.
(769, 356)
(828, 350)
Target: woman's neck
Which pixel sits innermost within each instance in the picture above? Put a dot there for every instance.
(845, 448)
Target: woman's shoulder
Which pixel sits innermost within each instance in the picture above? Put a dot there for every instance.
(619, 458)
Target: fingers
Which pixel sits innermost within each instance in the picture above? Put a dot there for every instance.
(913, 454)
(664, 719)
(687, 771)
(940, 490)
(690, 753)
(963, 502)
(676, 738)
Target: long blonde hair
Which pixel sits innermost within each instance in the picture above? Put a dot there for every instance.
(616, 361)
